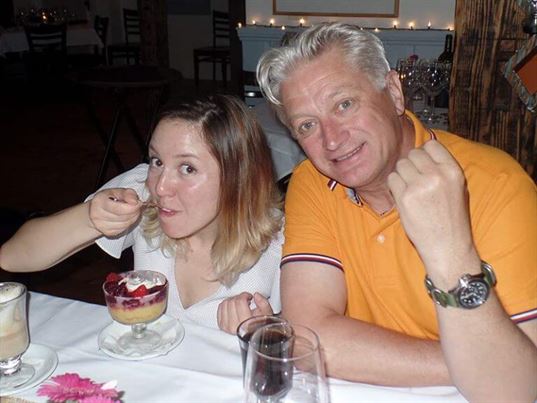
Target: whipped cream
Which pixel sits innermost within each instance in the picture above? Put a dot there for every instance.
(9, 292)
(135, 280)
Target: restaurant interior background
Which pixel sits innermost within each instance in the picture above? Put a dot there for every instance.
(51, 152)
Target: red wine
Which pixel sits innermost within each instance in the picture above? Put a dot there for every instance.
(273, 377)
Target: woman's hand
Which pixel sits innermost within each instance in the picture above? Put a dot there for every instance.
(232, 311)
(113, 211)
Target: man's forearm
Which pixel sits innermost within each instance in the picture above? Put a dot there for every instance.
(489, 357)
(361, 352)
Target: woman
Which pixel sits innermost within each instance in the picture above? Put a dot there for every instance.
(204, 211)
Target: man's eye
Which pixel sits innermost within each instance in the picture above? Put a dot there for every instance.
(305, 128)
(187, 169)
(344, 105)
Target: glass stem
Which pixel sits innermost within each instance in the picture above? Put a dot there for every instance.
(138, 330)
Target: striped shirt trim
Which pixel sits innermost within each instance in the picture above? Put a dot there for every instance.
(524, 316)
(311, 257)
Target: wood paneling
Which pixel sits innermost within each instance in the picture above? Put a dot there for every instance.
(483, 106)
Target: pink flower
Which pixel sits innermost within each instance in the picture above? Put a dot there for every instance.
(74, 388)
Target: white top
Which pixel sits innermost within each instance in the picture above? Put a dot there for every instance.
(263, 277)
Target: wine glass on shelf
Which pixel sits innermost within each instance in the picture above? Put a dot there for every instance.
(435, 79)
(14, 336)
(284, 365)
(409, 74)
(137, 298)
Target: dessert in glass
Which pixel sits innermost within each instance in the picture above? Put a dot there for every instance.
(14, 336)
(137, 298)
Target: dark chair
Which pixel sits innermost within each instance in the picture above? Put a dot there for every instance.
(130, 49)
(219, 52)
(46, 59)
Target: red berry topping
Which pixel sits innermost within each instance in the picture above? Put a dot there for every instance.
(139, 292)
(113, 277)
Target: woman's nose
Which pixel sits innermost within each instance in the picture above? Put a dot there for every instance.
(164, 185)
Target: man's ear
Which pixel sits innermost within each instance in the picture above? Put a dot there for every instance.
(395, 89)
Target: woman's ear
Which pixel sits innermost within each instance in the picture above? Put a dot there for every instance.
(395, 89)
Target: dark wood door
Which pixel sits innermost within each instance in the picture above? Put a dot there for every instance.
(483, 106)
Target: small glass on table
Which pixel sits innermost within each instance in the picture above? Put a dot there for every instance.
(14, 336)
(137, 298)
(285, 365)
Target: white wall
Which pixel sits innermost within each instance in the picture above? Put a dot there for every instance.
(440, 13)
(186, 32)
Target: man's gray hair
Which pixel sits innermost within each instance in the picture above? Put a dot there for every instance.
(363, 51)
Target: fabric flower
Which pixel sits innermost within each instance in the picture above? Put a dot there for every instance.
(73, 388)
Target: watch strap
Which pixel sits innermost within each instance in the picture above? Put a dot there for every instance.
(450, 298)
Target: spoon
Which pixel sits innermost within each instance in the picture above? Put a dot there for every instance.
(144, 204)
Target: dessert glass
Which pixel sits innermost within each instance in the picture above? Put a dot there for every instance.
(14, 336)
(137, 309)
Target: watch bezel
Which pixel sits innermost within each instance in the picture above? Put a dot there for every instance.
(464, 286)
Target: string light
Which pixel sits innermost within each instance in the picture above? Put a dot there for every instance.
(283, 27)
(395, 22)
(429, 25)
(411, 24)
(271, 21)
(239, 25)
(253, 22)
(302, 21)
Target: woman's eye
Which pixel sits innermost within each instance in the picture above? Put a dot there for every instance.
(155, 162)
(187, 169)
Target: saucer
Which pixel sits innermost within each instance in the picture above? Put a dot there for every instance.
(170, 329)
(43, 359)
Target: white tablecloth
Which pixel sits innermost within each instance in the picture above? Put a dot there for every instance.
(205, 367)
(77, 35)
(286, 153)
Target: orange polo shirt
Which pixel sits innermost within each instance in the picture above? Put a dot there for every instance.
(383, 271)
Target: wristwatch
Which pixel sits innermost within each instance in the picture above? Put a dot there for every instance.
(471, 292)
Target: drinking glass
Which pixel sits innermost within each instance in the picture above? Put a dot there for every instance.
(246, 329)
(137, 310)
(284, 364)
(14, 336)
(435, 79)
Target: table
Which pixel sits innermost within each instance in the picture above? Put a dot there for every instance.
(205, 367)
(285, 151)
(77, 35)
(121, 82)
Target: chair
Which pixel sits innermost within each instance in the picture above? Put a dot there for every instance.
(130, 49)
(217, 53)
(47, 56)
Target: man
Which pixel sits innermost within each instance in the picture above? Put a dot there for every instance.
(383, 202)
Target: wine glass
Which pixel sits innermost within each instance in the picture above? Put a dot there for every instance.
(284, 364)
(137, 298)
(14, 336)
(410, 75)
(435, 79)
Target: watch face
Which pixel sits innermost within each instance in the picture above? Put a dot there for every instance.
(474, 294)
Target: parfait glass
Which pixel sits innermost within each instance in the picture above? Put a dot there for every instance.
(284, 364)
(129, 305)
(14, 336)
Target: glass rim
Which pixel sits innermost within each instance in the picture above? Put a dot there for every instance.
(316, 346)
(259, 317)
(165, 285)
(22, 287)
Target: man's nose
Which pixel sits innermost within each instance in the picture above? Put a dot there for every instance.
(334, 134)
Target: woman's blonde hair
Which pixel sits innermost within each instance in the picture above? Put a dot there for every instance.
(249, 201)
